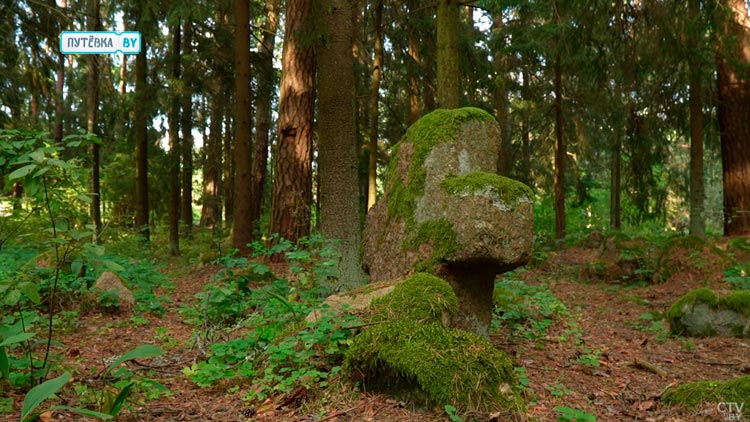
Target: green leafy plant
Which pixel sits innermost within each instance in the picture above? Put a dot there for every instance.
(558, 390)
(568, 414)
(651, 322)
(589, 357)
(738, 276)
(452, 413)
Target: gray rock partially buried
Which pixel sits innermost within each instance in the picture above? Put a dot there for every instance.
(445, 211)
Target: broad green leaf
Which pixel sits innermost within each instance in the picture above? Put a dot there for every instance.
(60, 163)
(12, 298)
(31, 291)
(84, 412)
(143, 351)
(37, 156)
(42, 392)
(41, 171)
(18, 338)
(4, 364)
(22, 172)
(112, 265)
(78, 234)
(84, 198)
(75, 266)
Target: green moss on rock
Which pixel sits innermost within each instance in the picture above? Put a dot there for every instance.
(506, 189)
(408, 349)
(695, 393)
(440, 236)
(738, 302)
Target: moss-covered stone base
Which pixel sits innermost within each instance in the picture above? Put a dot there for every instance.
(409, 351)
(702, 313)
(694, 393)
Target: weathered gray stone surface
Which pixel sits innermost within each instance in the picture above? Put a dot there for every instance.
(111, 282)
(446, 212)
(700, 313)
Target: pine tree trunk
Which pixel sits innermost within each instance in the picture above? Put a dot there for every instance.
(560, 154)
(502, 108)
(413, 67)
(448, 19)
(733, 82)
(228, 192)
(526, 131)
(141, 139)
(211, 211)
(697, 191)
(337, 156)
(372, 148)
(186, 198)
(266, 85)
(174, 144)
(292, 190)
(243, 200)
(59, 91)
(92, 106)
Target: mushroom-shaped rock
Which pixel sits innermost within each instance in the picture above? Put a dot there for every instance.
(445, 211)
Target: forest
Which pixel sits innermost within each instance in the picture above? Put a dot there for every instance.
(369, 210)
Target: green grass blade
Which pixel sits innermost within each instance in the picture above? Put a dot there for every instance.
(42, 392)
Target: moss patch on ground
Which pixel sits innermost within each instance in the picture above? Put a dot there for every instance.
(508, 190)
(694, 393)
(409, 351)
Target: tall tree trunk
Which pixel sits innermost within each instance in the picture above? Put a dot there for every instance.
(337, 155)
(228, 185)
(59, 91)
(174, 143)
(502, 107)
(243, 200)
(615, 192)
(186, 125)
(211, 212)
(92, 106)
(733, 82)
(140, 124)
(560, 154)
(377, 69)
(292, 196)
(448, 19)
(526, 130)
(413, 67)
(266, 84)
(697, 191)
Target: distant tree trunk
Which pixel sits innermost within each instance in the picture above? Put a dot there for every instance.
(141, 140)
(448, 19)
(228, 158)
(211, 211)
(372, 146)
(413, 67)
(338, 162)
(174, 144)
(502, 108)
(243, 200)
(733, 82)
(292, 196)
(92, 106)
(526, 131)
(266, 79)
(697, 191)
(615, 196)
(186, 125)
(560, 154)
(59, 91)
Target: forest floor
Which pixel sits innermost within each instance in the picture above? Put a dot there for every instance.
(595, 359)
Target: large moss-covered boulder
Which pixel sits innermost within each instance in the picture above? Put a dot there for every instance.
(409, 349)
(445, 211)
(701, 313)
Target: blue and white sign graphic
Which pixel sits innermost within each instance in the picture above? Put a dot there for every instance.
(100, 42)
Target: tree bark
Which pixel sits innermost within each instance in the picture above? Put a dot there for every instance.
(292, 190)
(448, 19)
(243, 203)
(502, 108)
(174, 143)
(228, 186)
(266, 83)
(211, 210)
(337, 156)
(733, 83)
(59, 91)
(413, 67)
(141, 138)
(560, 154)
(372, 146)
(92, 106)
(186, 125)
(697, 189)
